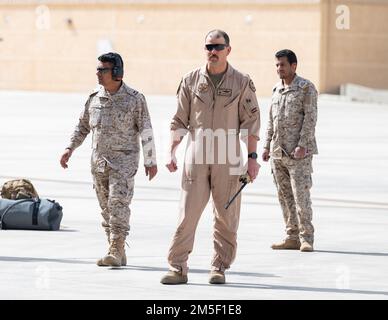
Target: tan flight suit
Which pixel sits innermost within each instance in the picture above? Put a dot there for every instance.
(230, 108)
(117, 122)
(292, 120)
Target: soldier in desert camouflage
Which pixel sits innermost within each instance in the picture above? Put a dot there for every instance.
(117, 115)
(291, 144)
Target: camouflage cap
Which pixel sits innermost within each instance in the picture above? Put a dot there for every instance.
(18, 189)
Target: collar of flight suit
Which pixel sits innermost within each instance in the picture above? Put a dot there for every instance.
(229, 72)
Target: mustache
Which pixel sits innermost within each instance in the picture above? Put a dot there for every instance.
(213, 56)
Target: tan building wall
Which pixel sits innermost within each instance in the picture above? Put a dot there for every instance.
(162, 40)
(357, 55)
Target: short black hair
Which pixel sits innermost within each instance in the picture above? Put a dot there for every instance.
(219, 33)
(112, 57)
(291, 56)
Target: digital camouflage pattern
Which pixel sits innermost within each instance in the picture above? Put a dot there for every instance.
(117, 122)
(292, 121)
(292, 118)
(293, 182)
(18, 189)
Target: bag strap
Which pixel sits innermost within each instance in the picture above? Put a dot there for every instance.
(35, 212)
(19, 202)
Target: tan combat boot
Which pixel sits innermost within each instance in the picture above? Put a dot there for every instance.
(116, 255)
(174, 277)
(100, 262)
(287, 244)
(306, 247)
(217, 277)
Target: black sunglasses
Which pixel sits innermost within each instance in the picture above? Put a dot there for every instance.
(217, 47)
(103, 70)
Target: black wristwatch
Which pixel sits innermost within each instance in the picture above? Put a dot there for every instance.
(252, 155)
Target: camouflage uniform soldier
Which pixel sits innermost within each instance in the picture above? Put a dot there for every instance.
(291, 144)
(117, 115)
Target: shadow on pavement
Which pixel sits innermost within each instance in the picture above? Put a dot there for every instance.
(145, 268)
(240, 285)
(30, 259)
(376, 254)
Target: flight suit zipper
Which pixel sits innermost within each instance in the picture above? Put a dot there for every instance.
(214, 89)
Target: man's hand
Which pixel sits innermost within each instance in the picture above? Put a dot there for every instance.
(299, 153)
(172, 166)
(65, 158)
(151, 172)
(253, 168)
(265, 156)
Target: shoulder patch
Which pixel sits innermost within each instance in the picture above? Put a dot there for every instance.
(133, 92)
(203, 87)
(130, 90)
(252, 85)
(303, 84)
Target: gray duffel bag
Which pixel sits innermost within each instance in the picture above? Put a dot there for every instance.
(30, 214)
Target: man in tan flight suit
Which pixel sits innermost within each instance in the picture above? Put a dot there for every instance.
(215, 100)
(118, 116)
(291, 143)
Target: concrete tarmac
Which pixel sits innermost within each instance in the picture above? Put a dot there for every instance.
(349, 197)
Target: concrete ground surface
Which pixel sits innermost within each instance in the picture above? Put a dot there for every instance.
(349, 201)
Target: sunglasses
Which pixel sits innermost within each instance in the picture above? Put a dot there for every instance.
(217, 47)
(103, 70)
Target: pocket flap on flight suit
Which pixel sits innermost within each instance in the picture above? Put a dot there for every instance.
(204, 97)
(232, 101)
